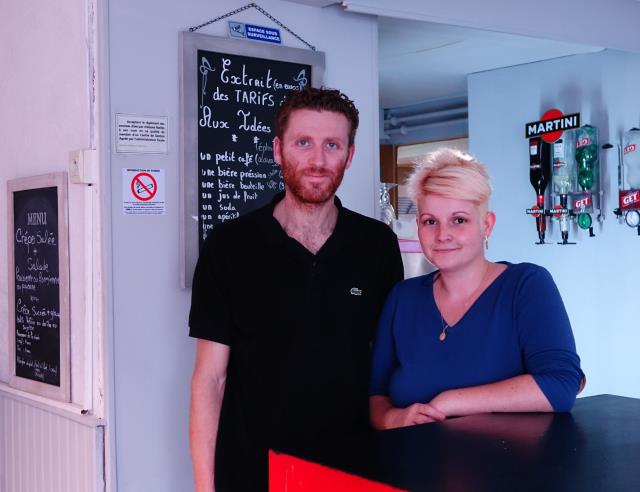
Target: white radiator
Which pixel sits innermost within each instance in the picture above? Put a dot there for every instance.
(46, 449)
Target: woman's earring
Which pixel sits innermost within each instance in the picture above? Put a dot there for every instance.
(486, 242)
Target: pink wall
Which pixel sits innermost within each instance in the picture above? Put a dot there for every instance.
(45, 112)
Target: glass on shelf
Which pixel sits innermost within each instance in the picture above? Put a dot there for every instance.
(387, 212)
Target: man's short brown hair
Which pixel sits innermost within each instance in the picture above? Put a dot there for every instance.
(322, 99)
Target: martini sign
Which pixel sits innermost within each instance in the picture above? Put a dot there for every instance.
(552, 124)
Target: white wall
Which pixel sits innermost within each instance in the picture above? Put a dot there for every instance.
(598, 277)
(152, 355)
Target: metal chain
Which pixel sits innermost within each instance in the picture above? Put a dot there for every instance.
(259, 9)
(248, 6)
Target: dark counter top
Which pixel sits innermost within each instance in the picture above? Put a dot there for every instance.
(596, 447)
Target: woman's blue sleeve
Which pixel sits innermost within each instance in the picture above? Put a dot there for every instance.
(384, 360)
(546, 339)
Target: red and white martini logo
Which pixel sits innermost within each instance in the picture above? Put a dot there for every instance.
(552, 124)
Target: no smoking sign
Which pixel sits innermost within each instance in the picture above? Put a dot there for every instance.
(143, 192)
(144, 186)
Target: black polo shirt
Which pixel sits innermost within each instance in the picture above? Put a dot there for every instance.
(300, 328)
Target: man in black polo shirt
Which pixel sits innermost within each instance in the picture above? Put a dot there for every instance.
(285, 304)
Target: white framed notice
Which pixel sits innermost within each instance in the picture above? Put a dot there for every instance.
(141, 134)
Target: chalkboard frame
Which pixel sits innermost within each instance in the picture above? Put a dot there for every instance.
(190, 43)
(59, 181)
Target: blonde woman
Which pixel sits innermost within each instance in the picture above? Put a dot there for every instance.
(474, 336)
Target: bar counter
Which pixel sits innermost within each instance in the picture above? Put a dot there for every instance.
(596, 447)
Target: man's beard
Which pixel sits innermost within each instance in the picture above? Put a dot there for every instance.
(312, 192)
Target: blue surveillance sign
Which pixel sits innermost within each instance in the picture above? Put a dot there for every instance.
(254, 32)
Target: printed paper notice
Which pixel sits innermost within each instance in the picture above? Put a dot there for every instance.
(143, 191)
(141, 134)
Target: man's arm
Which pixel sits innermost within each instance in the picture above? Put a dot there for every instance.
(207, 390)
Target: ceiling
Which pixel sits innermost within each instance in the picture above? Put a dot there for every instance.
(421, 61)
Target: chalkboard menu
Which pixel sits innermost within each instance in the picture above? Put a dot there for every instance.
(231, 90)
(238, 96)
(39, 291)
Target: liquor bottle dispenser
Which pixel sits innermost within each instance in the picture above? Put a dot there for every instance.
(564, 182)
(629, 180)
(539, 175)
(589, 197)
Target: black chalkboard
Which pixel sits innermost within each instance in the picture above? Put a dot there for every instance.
(237, 100)
(38, 247)
(37, 285)
(230, 91)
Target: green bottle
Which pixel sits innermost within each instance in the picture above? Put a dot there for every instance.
(587, 156)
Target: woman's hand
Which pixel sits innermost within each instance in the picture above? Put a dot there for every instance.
(385, 416)
(418, 413)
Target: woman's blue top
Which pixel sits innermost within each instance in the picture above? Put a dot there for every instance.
(517, 326)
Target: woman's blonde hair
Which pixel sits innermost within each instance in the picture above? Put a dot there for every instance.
(450, 173)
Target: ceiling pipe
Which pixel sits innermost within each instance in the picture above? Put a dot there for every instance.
(403, 130)
(455, 113)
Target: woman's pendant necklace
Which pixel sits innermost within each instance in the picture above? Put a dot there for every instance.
(445, 326)
(443, 333)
